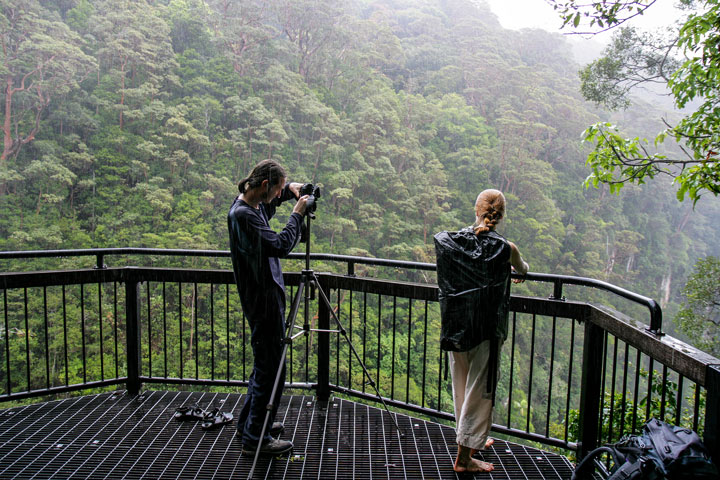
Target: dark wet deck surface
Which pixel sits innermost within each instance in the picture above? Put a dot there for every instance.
(114, 436)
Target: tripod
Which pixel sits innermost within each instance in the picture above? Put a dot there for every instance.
(309, 279)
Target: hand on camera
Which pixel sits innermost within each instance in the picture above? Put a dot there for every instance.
(301, 205)
(295, 188)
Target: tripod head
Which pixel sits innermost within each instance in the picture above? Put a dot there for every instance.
(314, 193)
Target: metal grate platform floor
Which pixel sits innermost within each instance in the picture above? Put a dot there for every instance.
(116, 436)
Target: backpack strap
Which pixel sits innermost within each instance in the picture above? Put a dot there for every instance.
(628, 471)
(586, 467)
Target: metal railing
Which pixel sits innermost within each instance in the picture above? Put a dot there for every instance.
(573, 374)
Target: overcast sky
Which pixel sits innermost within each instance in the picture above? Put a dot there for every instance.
(517, 14)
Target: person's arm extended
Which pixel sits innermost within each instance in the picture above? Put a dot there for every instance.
(274, 244)
(517, 262)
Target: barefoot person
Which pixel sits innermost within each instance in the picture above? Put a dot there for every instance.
(473, 269)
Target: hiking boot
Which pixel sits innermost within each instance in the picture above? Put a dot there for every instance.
(276, 429)
(272, 447)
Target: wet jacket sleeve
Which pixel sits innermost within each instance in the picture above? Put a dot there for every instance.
(285, 195)
(271, 243)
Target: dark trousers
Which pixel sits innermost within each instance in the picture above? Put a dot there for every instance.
(267, 344)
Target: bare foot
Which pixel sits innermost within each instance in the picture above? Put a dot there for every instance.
(464, 463)
(473, 466)
(488, 443)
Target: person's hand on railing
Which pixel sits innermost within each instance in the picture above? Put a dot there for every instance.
(517, 280)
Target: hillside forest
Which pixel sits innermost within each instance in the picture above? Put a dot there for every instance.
(128, 123)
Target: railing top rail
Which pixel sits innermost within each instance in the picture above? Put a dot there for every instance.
(557, 280)
(89, 252)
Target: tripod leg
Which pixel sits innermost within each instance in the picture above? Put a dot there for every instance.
(290, 322)
(357, 357)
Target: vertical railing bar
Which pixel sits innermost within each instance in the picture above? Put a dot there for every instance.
(7, 343)
(82, 330)
(212, 332)
(409, 344)
(603, 377)
(569, 382)
(65, 345)
(47, 343)
(512, 369)
(227, 329)
(337, 343)
(324, 309)
(307, 344)
(379, 356)
(392, 354)
(27, 340)
(624, 390)
(696, 412)
(133, 329)
(636, 392)
(364, 336)
(115, 327)
(530, 376)
(424, 362)
(651, 371)
(591, 392)
(197, 333)
(663, 393)
(290, 347)
(102, 343)
(612, 388)
(550, 376)
(440, 375)
(180, 322)
(350, 356)
(678, 399)
(165, 356)
(149, 329)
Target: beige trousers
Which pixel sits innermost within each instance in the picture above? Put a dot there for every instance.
(473, 403)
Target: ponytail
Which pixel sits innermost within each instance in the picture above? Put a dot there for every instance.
(269, 170)
(489, 209)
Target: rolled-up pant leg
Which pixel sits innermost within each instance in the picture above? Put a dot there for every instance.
(473, 401)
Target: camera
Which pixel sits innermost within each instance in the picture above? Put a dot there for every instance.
(314, 193)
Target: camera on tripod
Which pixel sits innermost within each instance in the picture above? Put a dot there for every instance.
(314, 193)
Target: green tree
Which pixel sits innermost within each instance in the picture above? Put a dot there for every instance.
(699, 318)
(42, 59)
(688, 64)
(136, 53)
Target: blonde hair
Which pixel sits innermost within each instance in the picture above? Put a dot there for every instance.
(489, 209)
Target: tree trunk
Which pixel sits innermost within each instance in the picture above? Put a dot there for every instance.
(122, 93)
(7, 133)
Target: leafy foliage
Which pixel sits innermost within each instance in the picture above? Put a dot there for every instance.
(634, 59)
(699, 317)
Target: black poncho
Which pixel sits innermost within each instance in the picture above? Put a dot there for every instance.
(474, 278)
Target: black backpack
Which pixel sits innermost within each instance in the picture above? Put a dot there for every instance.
(662, 451)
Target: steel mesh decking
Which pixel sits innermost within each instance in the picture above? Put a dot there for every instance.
(116, 436)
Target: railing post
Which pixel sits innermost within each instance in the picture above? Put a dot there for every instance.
(557, 290)
(712, 412)
(590, 393)
(132, 326)
(323, 346)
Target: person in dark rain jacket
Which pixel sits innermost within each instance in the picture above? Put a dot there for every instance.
(473, 269)
(255, 252)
